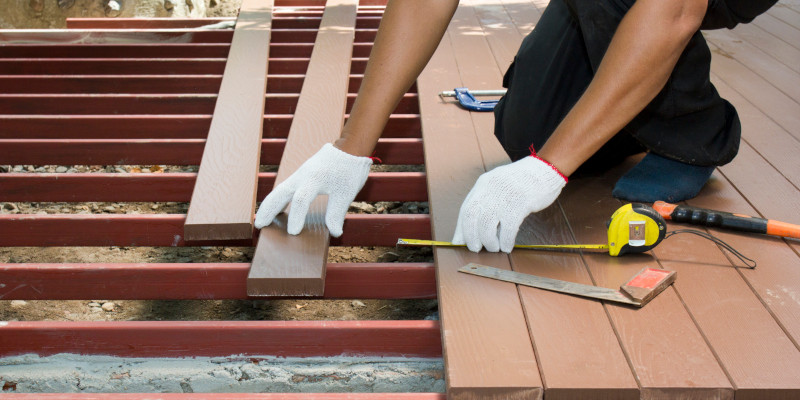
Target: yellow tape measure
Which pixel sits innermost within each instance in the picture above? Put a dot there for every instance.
(633, 228)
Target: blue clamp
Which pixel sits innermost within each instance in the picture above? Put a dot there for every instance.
(468, 101)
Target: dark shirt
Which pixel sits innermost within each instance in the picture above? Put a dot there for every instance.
(729, 13)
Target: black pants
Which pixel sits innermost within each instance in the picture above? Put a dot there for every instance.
(687, 121)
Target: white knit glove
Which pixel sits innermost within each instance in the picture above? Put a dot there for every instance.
(501, 199)
(331, 171)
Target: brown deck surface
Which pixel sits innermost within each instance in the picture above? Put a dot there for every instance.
(719, 332)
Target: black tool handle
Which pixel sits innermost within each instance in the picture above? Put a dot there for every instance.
(720, 219)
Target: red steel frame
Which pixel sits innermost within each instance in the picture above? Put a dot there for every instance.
(149, 102)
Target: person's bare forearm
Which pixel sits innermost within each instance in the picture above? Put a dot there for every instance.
(408, 35)
(636, 66)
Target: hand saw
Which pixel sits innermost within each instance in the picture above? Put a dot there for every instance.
(633, 228)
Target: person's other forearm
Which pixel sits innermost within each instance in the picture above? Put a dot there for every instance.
(408, 35)
(636, 66)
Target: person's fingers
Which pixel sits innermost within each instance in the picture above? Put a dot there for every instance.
(338, 204)
(297, 213)
(487, 231)
(273, 204)
(469, 227)
(458, 236)
(508, 232)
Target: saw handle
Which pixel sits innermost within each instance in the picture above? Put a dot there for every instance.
(725, 220)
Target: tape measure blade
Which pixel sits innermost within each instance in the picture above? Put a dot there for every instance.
(541, 282)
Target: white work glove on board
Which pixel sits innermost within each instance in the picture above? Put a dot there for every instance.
(331, 171)
(501, 199)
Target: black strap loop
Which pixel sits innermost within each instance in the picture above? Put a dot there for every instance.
(748, 262)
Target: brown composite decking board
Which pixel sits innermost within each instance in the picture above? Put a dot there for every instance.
(759, 357)
(761, 133)
(763, 34)
(224, 195)
(283, 264)
(786, 14)
(581, 355)
(769, 99)
(667, 352)
(487, 351)
(779, 75)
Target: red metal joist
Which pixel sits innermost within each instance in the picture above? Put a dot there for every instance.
(82, 97)
(223, 338)
(156, 281)
(157, 126)
(85, 187)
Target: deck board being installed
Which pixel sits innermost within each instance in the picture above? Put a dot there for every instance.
(286, 265)
(225, 191)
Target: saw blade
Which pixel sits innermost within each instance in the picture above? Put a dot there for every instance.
(420, 242)
(555, 285)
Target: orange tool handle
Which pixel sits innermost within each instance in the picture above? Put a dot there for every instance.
(725, 220)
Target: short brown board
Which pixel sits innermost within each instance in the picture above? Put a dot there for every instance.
(283, 264)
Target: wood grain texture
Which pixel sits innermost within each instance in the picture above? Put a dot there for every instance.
(287, 265)
(225, 192)
(487, 350)
(762, 134)
(760, 33)
(581, 352)
(669, 355)
(769, 99)
(777, 74)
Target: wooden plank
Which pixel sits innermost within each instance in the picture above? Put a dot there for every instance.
(762, 37)
(295, 265)
(785, 14)
(167, 230)
(380, 186)
(777, 275)
(487, 349)
(580, 357)
(225, 191)
(758, 356)
(766, 97)
(780, 76)
(223, 338)
(576, 359)
(780, 29)
(761, 133)
(188, 281)
(669, 355)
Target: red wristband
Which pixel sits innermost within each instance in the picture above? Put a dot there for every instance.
(534, 155)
